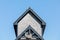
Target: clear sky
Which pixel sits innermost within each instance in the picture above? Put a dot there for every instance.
(48, 10)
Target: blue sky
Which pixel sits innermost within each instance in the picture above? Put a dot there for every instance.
(48, 10)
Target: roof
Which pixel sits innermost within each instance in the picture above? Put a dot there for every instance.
(34, 15)
(29, 27)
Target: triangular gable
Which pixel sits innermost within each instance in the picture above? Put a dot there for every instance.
(25, 32)
(25, 13)
(32, 13)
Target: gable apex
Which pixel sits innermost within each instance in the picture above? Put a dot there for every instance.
(32, 13)
(25, 13)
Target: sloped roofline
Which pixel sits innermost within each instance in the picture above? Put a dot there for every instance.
(29, 9)
(22, 16)
(29, 27)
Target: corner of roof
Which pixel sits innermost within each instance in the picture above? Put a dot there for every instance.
(29, 9)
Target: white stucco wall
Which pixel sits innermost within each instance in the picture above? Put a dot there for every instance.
(26, 21)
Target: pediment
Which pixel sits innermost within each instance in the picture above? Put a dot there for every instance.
(26, 21)
(31, 13)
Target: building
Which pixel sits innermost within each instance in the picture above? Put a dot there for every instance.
(29, 26)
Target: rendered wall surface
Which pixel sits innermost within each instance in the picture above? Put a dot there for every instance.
(29, 20)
